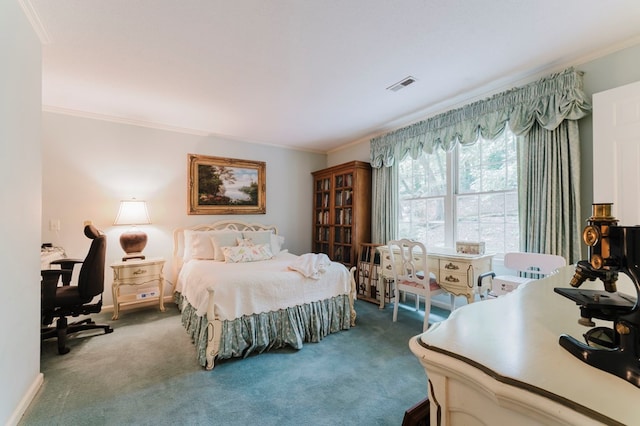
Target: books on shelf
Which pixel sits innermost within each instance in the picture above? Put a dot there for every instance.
(322, 217)
(338, 254)
(347, 195)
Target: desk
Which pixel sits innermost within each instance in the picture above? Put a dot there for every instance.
(49, 254)
(137, 273)
(499, 362)
(455, 272)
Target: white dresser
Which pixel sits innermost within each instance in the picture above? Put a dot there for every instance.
(499, 362)
(455, 272)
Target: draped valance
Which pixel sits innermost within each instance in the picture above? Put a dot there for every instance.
(547, 101)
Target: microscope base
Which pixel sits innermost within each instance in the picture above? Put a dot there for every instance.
(614, 361)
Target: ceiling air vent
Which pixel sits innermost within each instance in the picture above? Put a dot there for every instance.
(402, 84)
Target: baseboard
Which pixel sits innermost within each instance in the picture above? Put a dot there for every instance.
(138, 304)
(26, 400)
(440, 304)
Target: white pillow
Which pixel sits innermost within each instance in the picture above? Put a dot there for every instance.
(258, 237)
(251, 253)
(197, 245)
(188, 238)
(201, 246)
(222, 239)
(265, 237)
(244, 242)
(277, 241)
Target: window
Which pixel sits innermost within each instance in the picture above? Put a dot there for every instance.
(423, 197)
(469, 194)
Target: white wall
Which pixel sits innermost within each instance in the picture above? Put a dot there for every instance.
(356, 151)
(20, 177)
(90, 165)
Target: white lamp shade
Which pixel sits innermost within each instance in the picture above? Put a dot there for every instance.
(132, 212)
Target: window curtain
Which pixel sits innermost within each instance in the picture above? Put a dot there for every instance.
(384, 196)
(549, 182)
(544, 104)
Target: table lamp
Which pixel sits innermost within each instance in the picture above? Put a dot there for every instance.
(133, 212)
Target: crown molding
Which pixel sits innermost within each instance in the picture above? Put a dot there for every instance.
(36, 23)
(122, 120)
(165, 127)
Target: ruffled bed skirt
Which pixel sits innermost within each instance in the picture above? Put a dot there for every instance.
(270, 330)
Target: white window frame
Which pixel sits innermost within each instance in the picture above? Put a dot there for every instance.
(451, 197)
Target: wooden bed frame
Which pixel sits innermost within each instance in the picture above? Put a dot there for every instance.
(214, 327)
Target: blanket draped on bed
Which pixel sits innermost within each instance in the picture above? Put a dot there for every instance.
(311, 265)
(270, 330)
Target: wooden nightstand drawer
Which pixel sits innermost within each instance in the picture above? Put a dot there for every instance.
(138, 272)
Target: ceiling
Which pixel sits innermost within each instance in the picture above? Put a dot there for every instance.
(305, 74)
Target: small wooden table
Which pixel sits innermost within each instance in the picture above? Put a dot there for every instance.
(457, 273)
(137, 273)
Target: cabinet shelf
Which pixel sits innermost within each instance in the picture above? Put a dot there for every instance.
(342, 210)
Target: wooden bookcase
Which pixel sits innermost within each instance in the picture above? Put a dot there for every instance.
(342, 210)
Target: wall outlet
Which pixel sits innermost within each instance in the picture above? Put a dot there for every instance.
(147, 295)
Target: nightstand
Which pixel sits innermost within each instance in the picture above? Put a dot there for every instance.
(137, 273)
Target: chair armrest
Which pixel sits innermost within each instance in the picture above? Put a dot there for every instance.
(485, 275)
(67, 266)
(48, 285)
(66, 263)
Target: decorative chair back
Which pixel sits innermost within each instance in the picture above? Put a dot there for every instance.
(411, 275)
(411, 265)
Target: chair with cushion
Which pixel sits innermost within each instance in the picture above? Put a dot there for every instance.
(527, 267)
(411, 275)
(66, 300)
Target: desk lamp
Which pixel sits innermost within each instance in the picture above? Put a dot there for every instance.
(133, 212)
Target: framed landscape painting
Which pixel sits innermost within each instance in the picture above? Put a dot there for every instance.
(219, 185)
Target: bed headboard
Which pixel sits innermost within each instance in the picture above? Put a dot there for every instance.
(223, 225)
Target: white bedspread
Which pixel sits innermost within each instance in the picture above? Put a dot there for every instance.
(256, 287)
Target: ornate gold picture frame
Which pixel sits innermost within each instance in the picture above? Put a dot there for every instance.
(219, 185)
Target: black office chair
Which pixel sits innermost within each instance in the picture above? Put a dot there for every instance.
(74, 300)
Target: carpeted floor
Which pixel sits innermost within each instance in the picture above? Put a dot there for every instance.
(145, 373)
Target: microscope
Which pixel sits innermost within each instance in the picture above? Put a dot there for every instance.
(612, 250)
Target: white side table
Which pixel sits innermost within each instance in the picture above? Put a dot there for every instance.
(136, 273)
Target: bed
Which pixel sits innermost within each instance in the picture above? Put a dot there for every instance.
(241, 293)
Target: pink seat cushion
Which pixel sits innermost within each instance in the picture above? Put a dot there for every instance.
(433, 284)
